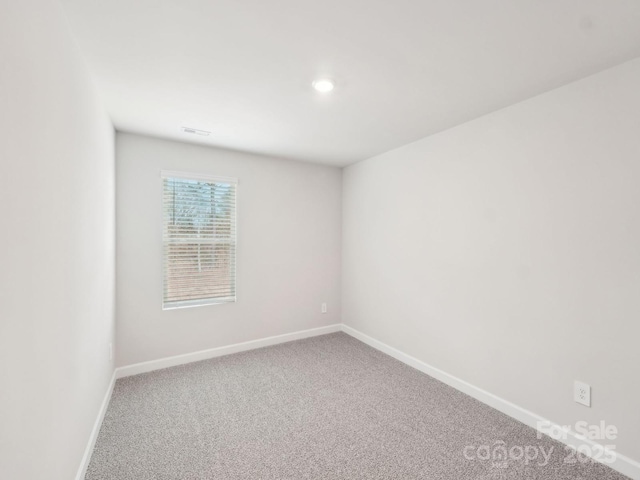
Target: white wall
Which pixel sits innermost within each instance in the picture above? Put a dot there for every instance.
(56, 246)
(288, 257)
(506, 251)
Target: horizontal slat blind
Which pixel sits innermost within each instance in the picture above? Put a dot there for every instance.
(199, 239)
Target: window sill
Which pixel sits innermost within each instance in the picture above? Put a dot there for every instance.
(197, 303)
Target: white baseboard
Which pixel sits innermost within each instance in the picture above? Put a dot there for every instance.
(167, 362)
(84, 464)
(622, 464)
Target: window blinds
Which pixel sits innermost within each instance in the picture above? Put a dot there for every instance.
(199, 239)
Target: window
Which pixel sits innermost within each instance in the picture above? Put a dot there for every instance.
(199, 239)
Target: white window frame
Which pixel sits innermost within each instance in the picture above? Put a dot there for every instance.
(164, 174)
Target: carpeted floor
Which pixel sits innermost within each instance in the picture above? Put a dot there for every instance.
(325, 408)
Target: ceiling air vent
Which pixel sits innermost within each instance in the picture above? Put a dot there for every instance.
(195, 131)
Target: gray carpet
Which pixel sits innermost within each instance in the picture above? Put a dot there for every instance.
(329, 407)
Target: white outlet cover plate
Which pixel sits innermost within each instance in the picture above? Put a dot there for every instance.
(582, 393)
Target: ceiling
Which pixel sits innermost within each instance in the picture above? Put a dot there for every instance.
(404, 69)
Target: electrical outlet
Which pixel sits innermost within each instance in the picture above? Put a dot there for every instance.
(323, 308)
(111, 351)
(582, 393)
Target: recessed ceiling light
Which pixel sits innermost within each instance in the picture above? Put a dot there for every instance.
(323, 85)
